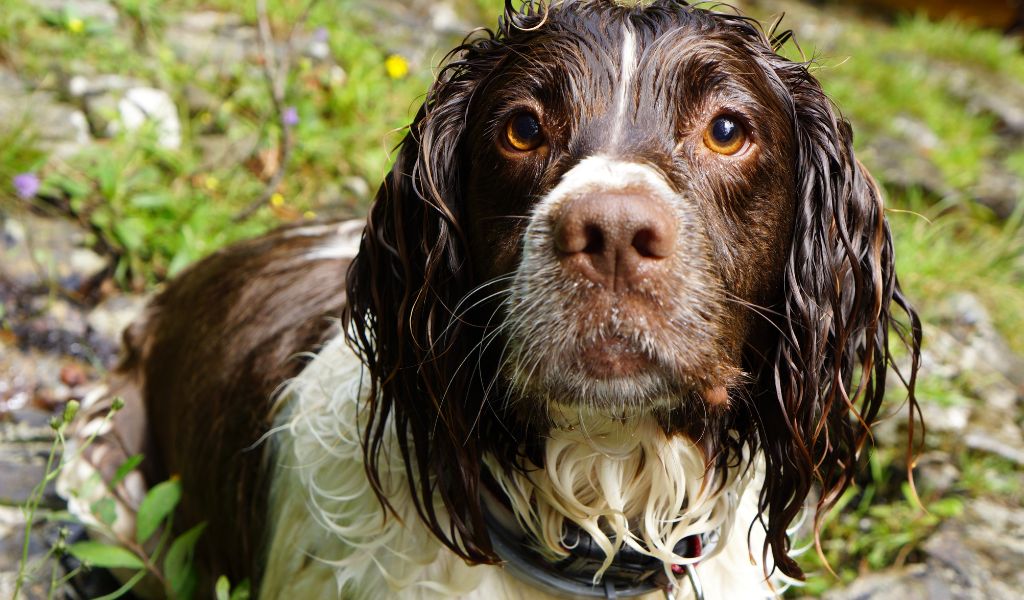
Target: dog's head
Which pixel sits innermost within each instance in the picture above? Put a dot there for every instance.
(625, 210)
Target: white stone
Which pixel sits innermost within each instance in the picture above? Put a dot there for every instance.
(143, 105)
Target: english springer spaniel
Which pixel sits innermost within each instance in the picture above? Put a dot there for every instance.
(622, 304)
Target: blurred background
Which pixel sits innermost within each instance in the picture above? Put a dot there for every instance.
(137, 136)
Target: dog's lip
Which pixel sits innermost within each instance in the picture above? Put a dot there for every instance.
(612, 358)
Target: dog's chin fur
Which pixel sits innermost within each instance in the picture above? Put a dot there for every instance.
(622, 481)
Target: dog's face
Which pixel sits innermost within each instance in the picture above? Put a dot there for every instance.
(636, 177)
(632, 210)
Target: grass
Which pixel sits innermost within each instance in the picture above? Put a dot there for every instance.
(158, 210)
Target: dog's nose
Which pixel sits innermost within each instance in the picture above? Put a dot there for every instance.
(615, 239)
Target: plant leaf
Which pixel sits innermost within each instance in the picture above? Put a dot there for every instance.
(104, 555)
(155, 507)
(178, 567)
(223, 588)
(241, 591)
(105, 510)
(126, 467)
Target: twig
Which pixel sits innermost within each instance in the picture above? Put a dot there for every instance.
(275, 73)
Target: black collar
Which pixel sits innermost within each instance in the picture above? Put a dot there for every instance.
(630, 574)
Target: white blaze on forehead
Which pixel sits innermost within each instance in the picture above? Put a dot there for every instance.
(627, 68)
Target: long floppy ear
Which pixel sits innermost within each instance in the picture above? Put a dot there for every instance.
(409, 277)
(827, 377)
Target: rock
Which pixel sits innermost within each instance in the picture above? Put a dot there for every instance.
(902, 164)
(985, 92)
(58, 128)
(987, 443)
(130, 109)
(91, 10)
(141, 106)
(37, 252)
(79, 86)
(915, 581)
(983, 349)
(110, 317)
(999, 190)
(220, 41)
(199, 100)
(976, 556)
(10, 84)
(935, 473)
(225, 150)
(985, 548)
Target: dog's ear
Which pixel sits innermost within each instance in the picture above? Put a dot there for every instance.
(827, 377)
(410, 274)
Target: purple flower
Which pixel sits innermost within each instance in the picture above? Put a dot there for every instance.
(290, 117)
(320, 35)
(26, 185)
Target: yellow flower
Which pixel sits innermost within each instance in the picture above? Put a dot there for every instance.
(396, 66)
(309, 214)
(76, 25)
(277, 199)
(206, 118)
(211, 183)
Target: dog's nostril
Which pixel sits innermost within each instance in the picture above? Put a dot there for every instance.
(594, 239)
(646, 243)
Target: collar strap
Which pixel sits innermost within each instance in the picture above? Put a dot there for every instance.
(630, 574)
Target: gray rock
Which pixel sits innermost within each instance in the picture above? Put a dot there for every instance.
(36, 252)
(110, 317)
(220, 41)
(226, 150)
(78, 86)
(915, 581)
(976, 556)
(94, 10)
(985, 547)
(999, 190)
(10, 84)
(904, 164)
(59, 128)
(985, 92)
(200, 100)
(115, 110)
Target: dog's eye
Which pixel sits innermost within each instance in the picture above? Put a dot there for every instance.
(523, 132)
(725, 135)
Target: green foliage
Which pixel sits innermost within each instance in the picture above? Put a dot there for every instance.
(97, 554)
(156, 506)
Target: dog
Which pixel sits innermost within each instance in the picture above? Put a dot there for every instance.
(620, 308)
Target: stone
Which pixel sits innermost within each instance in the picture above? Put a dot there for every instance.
(985, 548)
(212, 39)
(114, 110)
(224, 150)
(999, 190)
(90, 10)
(141, 106)
(37, 252)
(110, 317)
(78, 86)
(59, 128)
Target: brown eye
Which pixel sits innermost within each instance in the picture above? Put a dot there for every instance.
(725, 135)
(523, 132)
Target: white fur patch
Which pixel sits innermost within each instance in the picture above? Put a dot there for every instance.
(627, 69)
(328, 538)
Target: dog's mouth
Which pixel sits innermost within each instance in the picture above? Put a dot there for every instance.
(613, 358)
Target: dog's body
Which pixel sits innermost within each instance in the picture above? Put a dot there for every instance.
(621, 303)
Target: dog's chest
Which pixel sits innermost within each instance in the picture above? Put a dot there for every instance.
(328, 538)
